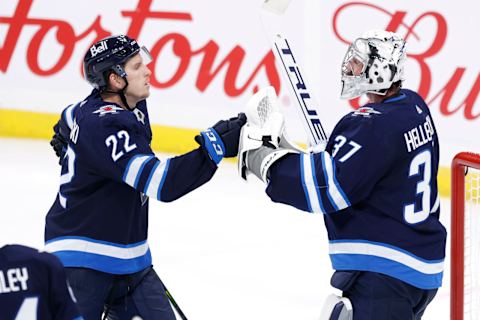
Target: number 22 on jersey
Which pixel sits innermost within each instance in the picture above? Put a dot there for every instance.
(112, 141)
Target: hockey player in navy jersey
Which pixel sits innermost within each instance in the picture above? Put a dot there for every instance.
(97, 225)
(33, 285)
(375, 183)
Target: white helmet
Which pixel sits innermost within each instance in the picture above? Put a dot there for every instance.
(372, 64)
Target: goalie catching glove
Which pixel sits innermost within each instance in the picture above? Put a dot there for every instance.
(262, 139)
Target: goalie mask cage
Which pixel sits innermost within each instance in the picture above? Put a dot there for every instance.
(465, 237)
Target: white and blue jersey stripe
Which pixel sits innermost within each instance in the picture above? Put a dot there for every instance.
(313, 190)
(101, 255)
(68, 114)
(383, 258)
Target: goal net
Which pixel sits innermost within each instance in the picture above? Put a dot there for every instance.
(465, 237)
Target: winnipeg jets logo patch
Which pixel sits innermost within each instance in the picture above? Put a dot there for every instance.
(103, 110)
(366, 112)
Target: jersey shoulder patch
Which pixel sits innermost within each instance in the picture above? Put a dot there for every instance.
(365, 111)
(107, 109)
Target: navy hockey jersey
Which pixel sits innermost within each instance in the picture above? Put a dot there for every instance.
(376, 183)
(99, 219)
(33, 285)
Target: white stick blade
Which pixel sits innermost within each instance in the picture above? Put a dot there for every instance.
(276, 6)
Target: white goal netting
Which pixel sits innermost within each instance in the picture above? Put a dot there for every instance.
(472, 245)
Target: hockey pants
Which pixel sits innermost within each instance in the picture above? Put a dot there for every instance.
(120, 296)
(375, 296)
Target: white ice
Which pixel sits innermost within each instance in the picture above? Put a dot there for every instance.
(225, 251)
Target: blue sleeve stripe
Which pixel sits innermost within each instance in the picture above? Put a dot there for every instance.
(309, 183)
(159, 193)
(305, 191)
(317, 188)
(68, 115)
(147, 185)
(334, 192)
(337, 184)
(134, 169)
(152, 187)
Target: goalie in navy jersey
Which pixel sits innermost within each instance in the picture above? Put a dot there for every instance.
(375, 182)
(33, 285)
(97, 225)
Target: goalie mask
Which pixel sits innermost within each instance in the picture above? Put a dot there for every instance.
(372, 64)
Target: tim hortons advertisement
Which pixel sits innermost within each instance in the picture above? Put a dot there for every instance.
(210, 56)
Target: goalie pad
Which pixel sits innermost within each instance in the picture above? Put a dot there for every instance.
(264, 128)
(337, 308)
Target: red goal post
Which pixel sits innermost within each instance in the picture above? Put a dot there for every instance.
(465, 194)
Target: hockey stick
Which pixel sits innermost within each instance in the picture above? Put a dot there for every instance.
(274, 9)
(174, 303)
(167, 293)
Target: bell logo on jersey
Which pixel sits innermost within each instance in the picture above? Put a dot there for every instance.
(103, 110)
(365, 112)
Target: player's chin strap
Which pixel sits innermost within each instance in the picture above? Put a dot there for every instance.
(121, 93)
(337, 308)
(262, 140)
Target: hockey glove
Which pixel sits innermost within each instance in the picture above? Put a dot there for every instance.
(263, 140)
(59, 140)
(222, 139)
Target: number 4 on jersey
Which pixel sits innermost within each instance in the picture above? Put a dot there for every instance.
(28, 309)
